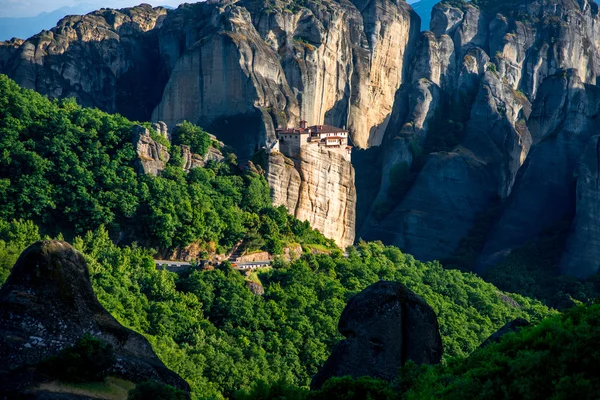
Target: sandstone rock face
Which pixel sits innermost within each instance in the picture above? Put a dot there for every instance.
(48, 303)
(284, 180)
(385, 325)
(192, 160)
(468, 117)
(334, 63)
(107, 59)
(152, 156)
(507, 110)
(562, 122)
(235, 69)
(317, 187)
(230, 66)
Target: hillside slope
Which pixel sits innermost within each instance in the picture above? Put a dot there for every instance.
(205, 324)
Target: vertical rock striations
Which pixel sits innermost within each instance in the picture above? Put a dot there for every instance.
(318, 187)
(491, 110)
(582, 253)
(240, 69)
(106, 59)
(562, 121)
(497, 109)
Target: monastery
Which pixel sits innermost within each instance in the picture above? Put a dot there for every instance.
(291, 140)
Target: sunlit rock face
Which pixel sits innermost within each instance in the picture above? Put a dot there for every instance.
(496, 113)
(316, 186)
(460, 117)
(241, 70)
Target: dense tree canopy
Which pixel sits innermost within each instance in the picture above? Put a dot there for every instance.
(557, 359)
(67, 170)
(71, 169)
(207, 325)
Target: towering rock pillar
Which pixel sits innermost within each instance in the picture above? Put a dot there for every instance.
(317, 186)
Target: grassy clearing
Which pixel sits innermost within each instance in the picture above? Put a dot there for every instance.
(317, 248)
(112, 389)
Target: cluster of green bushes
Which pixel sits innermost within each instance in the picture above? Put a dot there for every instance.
(88, 360)
(533, 270)
(151, 390)
(71, 169)
(557, 359)
(209, 327)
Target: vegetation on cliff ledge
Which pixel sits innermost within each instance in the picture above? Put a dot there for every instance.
(70, 169)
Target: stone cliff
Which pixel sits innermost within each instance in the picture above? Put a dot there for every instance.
(495, 115)
(107, 59)
(240, 69)
(318, 187)
(485, 116)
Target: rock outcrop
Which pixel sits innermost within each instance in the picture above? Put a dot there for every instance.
(240, 69)
(255, 287)
(561, 123)
(385, 325)
(318, 187)
(582, 253)
(152, 156)
(494, 115)
(107, 59)
(467, 115)
(48, 303)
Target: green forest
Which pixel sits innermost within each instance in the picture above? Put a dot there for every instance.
(68, 172)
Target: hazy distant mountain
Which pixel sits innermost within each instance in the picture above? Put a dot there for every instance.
(423, 8)
(26, 27)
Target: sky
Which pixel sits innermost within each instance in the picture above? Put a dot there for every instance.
(31, 8)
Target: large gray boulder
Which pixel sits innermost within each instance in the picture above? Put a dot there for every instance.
(385, 325)
(48, 304)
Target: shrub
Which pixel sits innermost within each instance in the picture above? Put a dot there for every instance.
(87, 361)
(193, 136)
